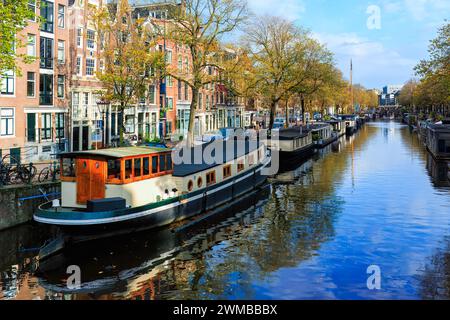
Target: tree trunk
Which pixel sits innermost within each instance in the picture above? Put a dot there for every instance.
(273, 109)
(302, 104)
(190, 135)
(122, 124)
(287, 115)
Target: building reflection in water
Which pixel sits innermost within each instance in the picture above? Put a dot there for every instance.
(438, 171)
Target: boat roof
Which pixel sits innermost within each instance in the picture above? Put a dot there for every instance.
(121, 152)
(318, 126)
(439, 127)
(293, 133)
(232, 149)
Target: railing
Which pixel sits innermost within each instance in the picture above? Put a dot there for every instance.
(45, 99)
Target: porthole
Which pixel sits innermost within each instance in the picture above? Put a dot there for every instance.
(190, 185)
(84, 164)
(199, 182)
(97, 165)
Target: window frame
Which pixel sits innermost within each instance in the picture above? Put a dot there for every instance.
(10, 121)
(32, 82)
(63, 14)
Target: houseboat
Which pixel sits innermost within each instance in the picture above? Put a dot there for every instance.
(322, 134)
(131, 188)
(438, 140)
(350, 124)
(339, 127)
(293, 144)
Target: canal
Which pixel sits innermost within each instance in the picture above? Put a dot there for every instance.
(376, 198)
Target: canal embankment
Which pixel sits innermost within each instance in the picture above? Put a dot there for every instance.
(19, 202)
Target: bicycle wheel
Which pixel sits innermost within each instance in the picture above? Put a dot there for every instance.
(44, 175)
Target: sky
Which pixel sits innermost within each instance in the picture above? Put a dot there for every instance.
(384, 38)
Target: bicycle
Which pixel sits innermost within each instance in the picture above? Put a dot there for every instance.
(53, 171)
(22, 173)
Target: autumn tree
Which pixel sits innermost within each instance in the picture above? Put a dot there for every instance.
(408, 94)
(200, 25)
(15, 16)
(435, 71)
(128, 52)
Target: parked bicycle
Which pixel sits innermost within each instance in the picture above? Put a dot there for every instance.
(13, 172)
(52, 172)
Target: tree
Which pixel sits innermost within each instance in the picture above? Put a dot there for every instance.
(15, 15)
(131, 61)
(408, 94)
(286, 61)
(200, 25)
(435, 72)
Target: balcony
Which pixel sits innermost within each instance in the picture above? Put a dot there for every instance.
(46, 99)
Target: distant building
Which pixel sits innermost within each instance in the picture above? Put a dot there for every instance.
(389, 95)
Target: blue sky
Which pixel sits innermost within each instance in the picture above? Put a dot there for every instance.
(380, 56)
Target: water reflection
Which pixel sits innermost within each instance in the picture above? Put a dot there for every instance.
(367, 199)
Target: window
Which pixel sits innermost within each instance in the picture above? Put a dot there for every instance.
(31, 84)
(78, 67)
(186, 92)
(162, 163)
(169, 81)
(251, 159)
(199, 182)
(168, 57)
(46, 53)
(151, 94)
(6, 122)
(47, 16)
(180, 64)
(90, 39)
(128, 169)
(90, 67)
(31, 127)
(137, 167)
(169, 165)
(179, 90)
(169, 103)
(79, 38)
(210, 178)
(146, 166)
(227, 171)
(60, 89)
(46, 126)
(7, 83)
(61, 51)
(240, 166)
(190, 185)
(68, 167)
(61, 16)
(32, 7)
(45, 89)
(155, 164)
(113, 169)
(186, 63)
(31, 45)
(60, 125)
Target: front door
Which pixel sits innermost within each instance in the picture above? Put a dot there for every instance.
(91, 177)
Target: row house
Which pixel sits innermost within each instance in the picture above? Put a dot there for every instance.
(34, 105)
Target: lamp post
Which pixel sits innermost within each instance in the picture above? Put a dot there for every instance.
(102, 107)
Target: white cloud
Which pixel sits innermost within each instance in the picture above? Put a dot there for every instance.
(374, 64)
(419, 10)
(289, 9)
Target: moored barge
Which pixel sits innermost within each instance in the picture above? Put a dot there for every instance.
(438, 140)
(143, 187)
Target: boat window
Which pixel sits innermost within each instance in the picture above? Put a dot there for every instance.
(226, 171)
(169, 162)
(190, 185)
(251, 159)
(137, 167)
(199, 182)
(68, 167)
(240, 166)
(155, 164)
(162, 163)
(210, 178)
(113, 169)
(128, 169)
(146, 166)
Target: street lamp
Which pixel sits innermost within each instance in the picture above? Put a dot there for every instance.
(102, 108)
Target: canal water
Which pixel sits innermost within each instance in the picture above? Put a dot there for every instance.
(375, 199)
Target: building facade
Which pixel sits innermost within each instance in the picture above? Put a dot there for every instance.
(34, 105)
